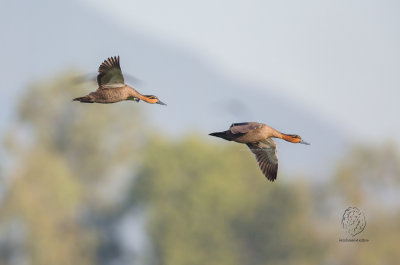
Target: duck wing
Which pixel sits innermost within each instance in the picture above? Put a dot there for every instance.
(110, 74)
(265, 152)
(244, 127)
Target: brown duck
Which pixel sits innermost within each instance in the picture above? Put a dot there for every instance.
(257, 136)
(112, 87)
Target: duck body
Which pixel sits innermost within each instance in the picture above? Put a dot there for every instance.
(112, 88)
(249, 132)
(111, 95)
(257, 136)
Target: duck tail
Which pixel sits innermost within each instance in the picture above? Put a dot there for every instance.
(85, 99)
(223, 135)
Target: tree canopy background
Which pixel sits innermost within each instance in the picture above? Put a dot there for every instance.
(98, 184)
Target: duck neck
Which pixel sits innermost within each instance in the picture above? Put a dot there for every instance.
(142, 97)
(147, 99)
(290, 137)
(136, 94)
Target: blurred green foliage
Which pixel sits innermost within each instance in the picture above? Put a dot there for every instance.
(210, 205)
(79, 169)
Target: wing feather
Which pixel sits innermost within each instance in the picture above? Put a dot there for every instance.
(265, 152)
(110, 74)
(244, 127)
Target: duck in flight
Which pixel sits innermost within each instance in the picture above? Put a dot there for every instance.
(257, 136)
(112, 87)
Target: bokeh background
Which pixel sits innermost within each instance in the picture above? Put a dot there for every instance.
(134, 183)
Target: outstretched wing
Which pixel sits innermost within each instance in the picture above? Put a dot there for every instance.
(244, 127)
(265, 152)
(110, 74)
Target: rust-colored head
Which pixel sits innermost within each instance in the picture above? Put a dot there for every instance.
(294, 138)
(152, 99)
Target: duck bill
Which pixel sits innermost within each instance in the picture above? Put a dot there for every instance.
(161, 103)
(304, 142)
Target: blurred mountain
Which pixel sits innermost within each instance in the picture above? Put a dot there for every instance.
(42, 38)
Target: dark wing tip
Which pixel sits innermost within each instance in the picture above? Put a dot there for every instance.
(109, 63)
(272, 172)
(238, 124)
(269, 170)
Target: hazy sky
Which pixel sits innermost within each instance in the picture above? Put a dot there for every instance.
(339, 58)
